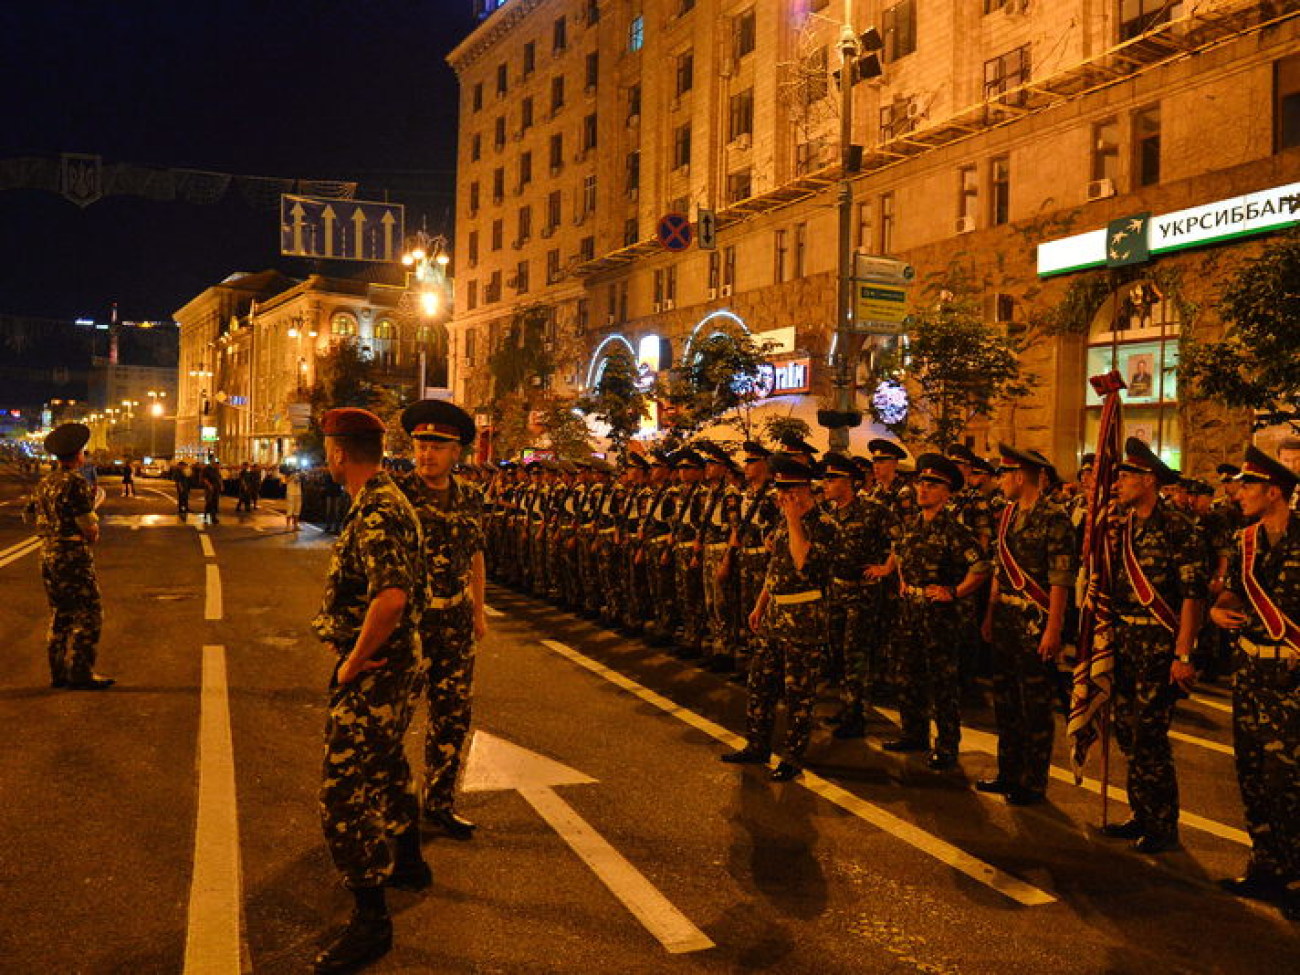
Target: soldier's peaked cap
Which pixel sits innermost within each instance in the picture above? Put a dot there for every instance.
(1087, 462)
(638, 460)
(960, 453)
(797, 445)
(835, 464)
(436, 419)
(882, 449)
(1227, 472)
(350, 421)
(788, 471)
(1139, 458)
(938, 469)
(1259, 466)
(660, 458)
(1012, 459)
(712, 452)
(66, 439)
(687, 458)
(756, 451)
(863, 465)
(982, 466)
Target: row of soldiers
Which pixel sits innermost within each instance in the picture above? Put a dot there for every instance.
(792, 571)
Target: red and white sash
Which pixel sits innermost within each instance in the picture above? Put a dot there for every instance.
(1021, 580)
(1146, 592)
(1276, 623)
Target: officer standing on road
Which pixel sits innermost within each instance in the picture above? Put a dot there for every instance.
(374, 596)
(1261, 604)
(1159, 597)
(1036, 561)
(181, 478)
(791, 616)
(451, 520)
(63, 506)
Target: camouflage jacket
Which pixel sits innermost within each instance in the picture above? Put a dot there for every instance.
(1277, 568)
(756, 516)
(974, 510)
(938, 552)
(1219, 529)
(865, 533)
(660, 511)
(802, 622)
(451, 524)
(899, 497)
(59, 500)
(720, 511)
(379, 547)
(1042, 543)
(1173, 557)
(690, 504)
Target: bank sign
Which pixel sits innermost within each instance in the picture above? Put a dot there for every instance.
(1137, 238)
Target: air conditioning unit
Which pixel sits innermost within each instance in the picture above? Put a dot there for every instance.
(913, 109)
(741, 142)
(556, 169)
(1100, 189)
(713, 293)
(965, 225)
(517, 134)
(589, 90)
(580, 16)
(726, 291)
(669, 304)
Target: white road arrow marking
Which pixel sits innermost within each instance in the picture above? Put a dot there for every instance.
(495, 764)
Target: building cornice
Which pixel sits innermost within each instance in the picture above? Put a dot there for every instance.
(502, 21)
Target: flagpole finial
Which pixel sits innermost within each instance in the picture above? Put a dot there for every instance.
(1107, 383)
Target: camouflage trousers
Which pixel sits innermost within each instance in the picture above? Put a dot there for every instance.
(76, 614)
(1144, 707)
(1266, 739)
(690, 594)
(592, 593)
(366, 799)
(928, 683)
(753, 573)
(781, 669)
(633, 598)
(720, 599)
(854, 624)
(448, 638)
(1023, 696)
(609, 581)
(663, 586)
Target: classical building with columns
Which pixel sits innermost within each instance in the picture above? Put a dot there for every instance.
(1009, 138)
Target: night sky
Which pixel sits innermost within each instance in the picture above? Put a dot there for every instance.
(348, 90)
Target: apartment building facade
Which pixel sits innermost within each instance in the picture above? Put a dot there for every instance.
(1002, 137)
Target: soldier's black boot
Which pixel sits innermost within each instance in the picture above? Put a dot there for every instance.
(1255, 885)
(410, 872)
(451, 824)
(367, 937)
(1130, 829)
(749, 755)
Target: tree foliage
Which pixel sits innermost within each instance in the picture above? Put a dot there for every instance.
(545, 421)
(346, 377)
(617, 399)
(777, 428)
(1256, 365)
(720, 382)
(523, 359)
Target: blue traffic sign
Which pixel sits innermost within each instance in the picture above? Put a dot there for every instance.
(342, 230)
(674, 231)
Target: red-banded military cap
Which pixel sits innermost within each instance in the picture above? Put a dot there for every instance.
(1260, 467)
(882, 449)
(1139, 458)
(1087, 462)
(791, 444)
(938, 469)
(960, 453)
(835, 464)
(982, 466)
(1227, 472)
(1012, 459)
(660, 458)
(789, 471)
(350, 421)
(439, 420)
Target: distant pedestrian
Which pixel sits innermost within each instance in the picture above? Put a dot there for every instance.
(181, 478)
(293, 500)
(211, 480)
(64, 509)
(128, 482)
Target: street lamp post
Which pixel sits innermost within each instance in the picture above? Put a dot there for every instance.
(155, 410)
(428, 259)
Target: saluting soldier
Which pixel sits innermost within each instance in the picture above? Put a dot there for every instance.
(862, 561)
(1159, 598)
(890, 488)
(1261, 605)
(451, 515)
(939, 562)
(1036, 561)
(790, 615)
(63, 506)
(369, 617)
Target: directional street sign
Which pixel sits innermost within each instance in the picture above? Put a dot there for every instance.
(674, 231)
(706, 227)
(877, 305)
(342, 230)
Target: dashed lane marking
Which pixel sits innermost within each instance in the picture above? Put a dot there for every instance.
(910, 834)
(1207, 702)
(16, 552)
(205, 542)
(212, 603)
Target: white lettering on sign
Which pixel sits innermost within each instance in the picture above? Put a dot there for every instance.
(781, 378)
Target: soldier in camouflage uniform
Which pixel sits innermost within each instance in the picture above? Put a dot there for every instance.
(712, 544)
(656, 544)
(972, 508)
(1036, 560)
(861, 563)
(790, 615)
(451, 516)
(756, 518)
(632, 602)
(890, 488)
(63, 507)
(369, 618)
(692, 496)
(1261, 606)
(939, 562)
(1159, 596)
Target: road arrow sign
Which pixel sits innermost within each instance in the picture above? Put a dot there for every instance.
(706, 225)
(495, 764)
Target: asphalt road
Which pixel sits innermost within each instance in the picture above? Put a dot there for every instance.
(871, 864)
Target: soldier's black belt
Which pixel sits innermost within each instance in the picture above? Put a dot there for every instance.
(1268, 651)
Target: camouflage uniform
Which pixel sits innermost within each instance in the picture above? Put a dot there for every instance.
(451, 526)
(720, 595)
(366, 797)
(68, 571)
(899, 496)
(1173, 558)
(658, 529)
(858, 617)
(788, 660)
(690, 573)
(974, 510)
(941, 552)
(757, 517)
(1041, 541)
(635, 604)
(1266, 712)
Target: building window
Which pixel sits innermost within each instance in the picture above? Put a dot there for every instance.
(800, 250)
(503, 79)
(682, 146)
(525, 223)
(744, 33)
(636, 33)
(715, 263)
(530, 58)
(992, 5)
(521, 277)
(631, 232)
(670, 283)
(589, 132)
(471, 296)
(899, 22)
(815, 71)
(658, 288)
(1146, 146)
(343, 323)
(740, 185)
(886, 241)
(557, 93)
(559, 35)
(633, 103)
(740, 115)
(498, 184)
(999, 190)
(1002, 74)
(1136, 17)
(472, 247)
(862, 239)
(498, 234)
(473, 197)
(897, 118)
(1105, 151)
(967, 194)
(632, 181)
(1286, 85)
(587, 249)
(476, 97)
(685, 72)
(557, 152)
(588, 195)
(526, 114)
(384, 329)
(493, 288)
(680, 204)
(554, 209)
(778, 256)
(499, 133)
(476, 147)
(553, 265)
(593, 71)
(729, 267)
(525, 169)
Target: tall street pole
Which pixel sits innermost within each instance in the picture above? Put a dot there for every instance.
(844, 335)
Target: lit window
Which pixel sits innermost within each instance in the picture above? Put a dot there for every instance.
(343, 323)
(636, 33)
